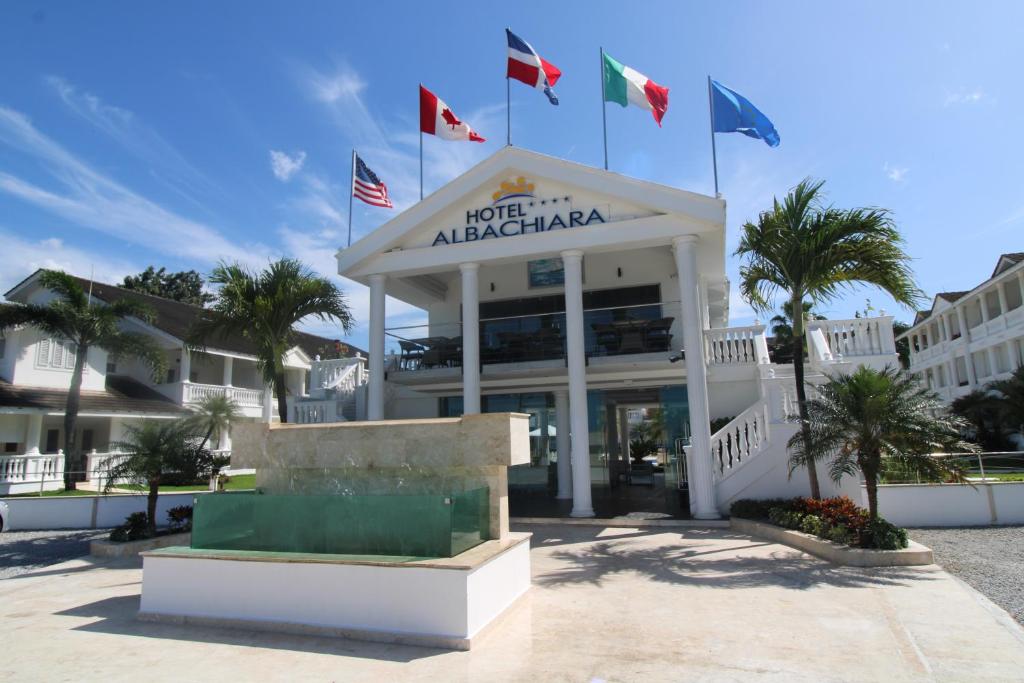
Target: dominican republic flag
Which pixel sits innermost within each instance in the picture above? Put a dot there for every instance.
(368, 187)
(524, 64)
(437, 119)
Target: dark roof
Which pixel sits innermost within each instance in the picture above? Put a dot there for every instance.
(951, 296)
(175, 318)
(1014, 257)
(122, 395)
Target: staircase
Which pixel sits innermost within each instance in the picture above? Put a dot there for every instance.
(332, 394)
(749, 455)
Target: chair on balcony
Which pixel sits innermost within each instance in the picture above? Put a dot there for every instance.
(658, 336)
(412, 355)
(632, 336)
(607, 338)
(451, 352)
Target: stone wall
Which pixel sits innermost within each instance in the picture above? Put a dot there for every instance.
(435, 456)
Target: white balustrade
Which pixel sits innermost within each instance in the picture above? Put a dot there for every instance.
(247, 398)
(857, 336)
(740, 440)
(16, 469)
(735, 345)
(316, 412)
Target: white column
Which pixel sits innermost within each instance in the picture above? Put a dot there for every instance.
(375, 391)
(185, 366)
(470, 339)
(984, 307)
(961, 317)
(577, 362)
(229, 371)
(268, 403)
(993, 365)
(702, 485)
(562, 444)
(33, 433)
(1001, 293)
(225, 440)
(946, 327)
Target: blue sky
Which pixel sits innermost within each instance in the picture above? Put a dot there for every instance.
(178, 134)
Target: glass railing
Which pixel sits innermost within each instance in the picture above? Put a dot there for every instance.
(392, 525)
(622, 330)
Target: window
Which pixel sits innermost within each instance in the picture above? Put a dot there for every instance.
(56, 354)
(170, 375)
(52, 439)
(11, 447)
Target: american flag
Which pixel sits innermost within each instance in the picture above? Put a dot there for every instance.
(368, 187)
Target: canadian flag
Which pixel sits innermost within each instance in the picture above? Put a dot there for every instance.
(437, 119)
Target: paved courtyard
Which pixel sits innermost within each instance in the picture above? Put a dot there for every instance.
(611, 604)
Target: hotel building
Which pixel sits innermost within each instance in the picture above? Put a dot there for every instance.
(585, 298)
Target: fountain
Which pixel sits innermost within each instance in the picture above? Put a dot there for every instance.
(393, 531)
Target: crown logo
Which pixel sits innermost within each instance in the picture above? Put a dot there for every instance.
(520, 188)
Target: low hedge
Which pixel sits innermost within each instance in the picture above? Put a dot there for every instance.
(834, 519)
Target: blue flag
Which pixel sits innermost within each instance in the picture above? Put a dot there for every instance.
(733, 113)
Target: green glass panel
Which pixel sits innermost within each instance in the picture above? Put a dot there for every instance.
(401, 525)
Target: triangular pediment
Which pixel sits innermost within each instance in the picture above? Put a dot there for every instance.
(516, 192)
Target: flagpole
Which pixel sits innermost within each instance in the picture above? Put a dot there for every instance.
(421, 165)
(508, 111)
(604, 112)
(714, 153)
(351, 191)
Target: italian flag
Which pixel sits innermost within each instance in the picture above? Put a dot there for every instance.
(628, 86)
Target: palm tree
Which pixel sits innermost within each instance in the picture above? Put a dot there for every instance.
(1009, 395)
(809, 251)
(982, 410)
(873, 420)
(264, 307)
(782, 330)
(214, 416)
(156, 449)
(73, 317)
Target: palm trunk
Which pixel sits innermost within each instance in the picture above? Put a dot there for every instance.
(801, 392)
(282, 397)
(154, 492)
(71, 455)
(871, 486)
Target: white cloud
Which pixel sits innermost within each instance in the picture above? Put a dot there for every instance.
(91, 199)
(965, 97)
(895, 173)
(125, 128)
(22, 257)
(284, 166)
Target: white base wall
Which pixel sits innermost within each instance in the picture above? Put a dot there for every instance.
(84, 512)
(424, 605)
(951, 504)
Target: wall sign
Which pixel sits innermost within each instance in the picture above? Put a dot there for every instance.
(516, 210)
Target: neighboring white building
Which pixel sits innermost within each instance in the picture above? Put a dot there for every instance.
(563, 291)
(35, 373)
(971, 338)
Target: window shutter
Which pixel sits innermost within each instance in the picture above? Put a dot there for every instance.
(70, 351)
(58, 355)
(43, 353)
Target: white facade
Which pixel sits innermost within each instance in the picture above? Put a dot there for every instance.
(969, 339)
(640, 278)
(31, 437)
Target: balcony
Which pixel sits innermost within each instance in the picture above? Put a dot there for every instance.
(618, 331)
(193, 393)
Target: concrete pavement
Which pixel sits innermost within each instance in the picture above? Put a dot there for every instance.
(612, 604)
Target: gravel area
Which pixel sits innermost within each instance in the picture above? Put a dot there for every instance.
(991, 559)
(24, 551)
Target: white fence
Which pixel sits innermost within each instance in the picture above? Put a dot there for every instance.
(984, 503)
(84, 512)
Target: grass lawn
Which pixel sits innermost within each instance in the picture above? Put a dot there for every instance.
(48, 494)
(239, 482)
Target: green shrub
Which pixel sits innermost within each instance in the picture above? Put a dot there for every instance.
(884, 535)
(180, 518)
(749, 508)
(135, 527)
(835, 519)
